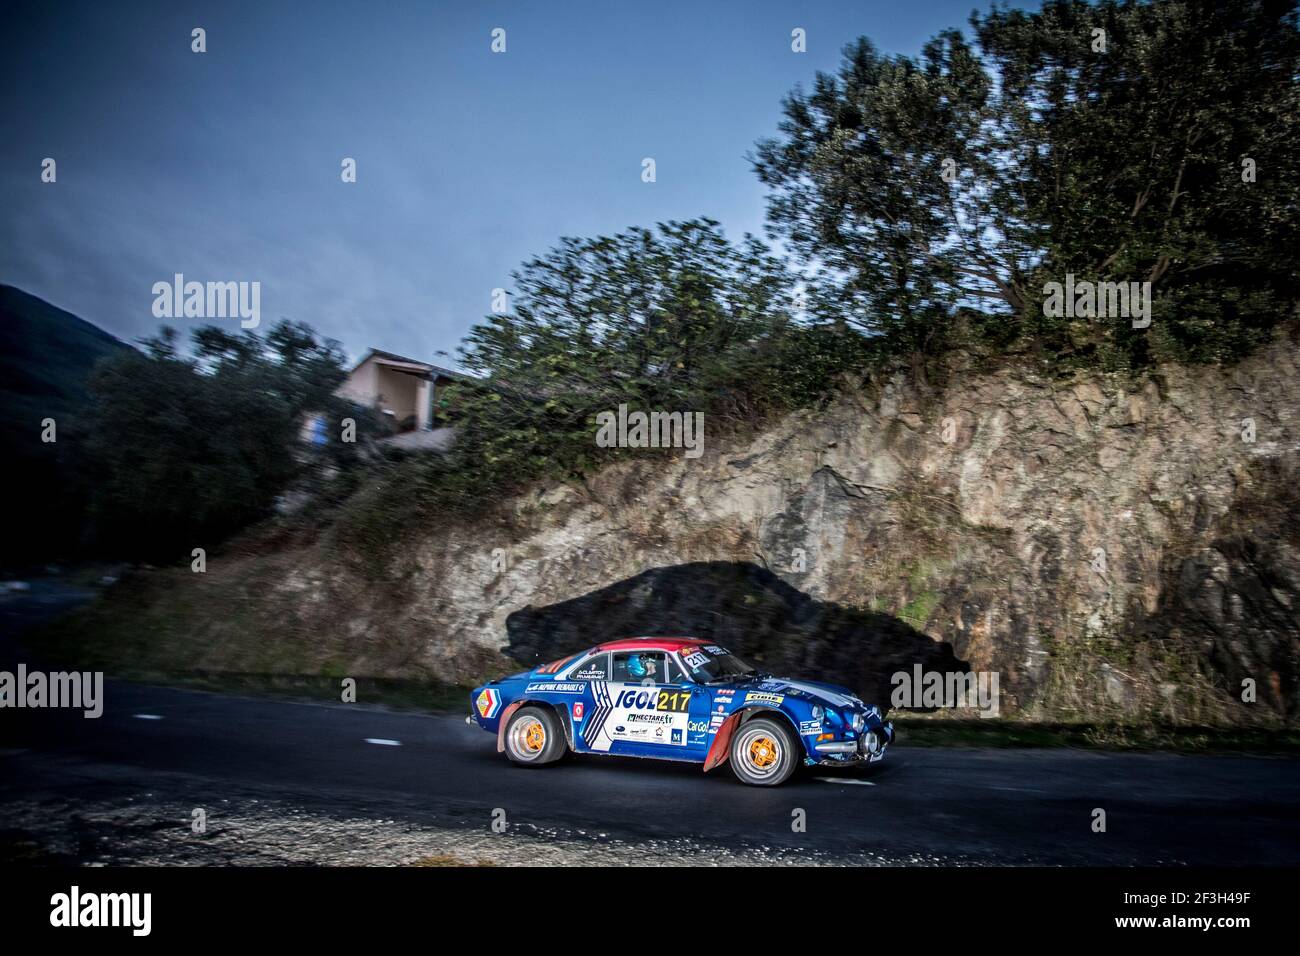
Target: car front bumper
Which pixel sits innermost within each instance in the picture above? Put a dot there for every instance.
(869, 746)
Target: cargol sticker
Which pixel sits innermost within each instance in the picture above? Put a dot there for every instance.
(759, 697)
(648, 714)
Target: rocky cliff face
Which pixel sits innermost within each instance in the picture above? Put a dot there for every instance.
(1110, 547)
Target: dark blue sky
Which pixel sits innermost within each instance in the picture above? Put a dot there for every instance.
(225, 165)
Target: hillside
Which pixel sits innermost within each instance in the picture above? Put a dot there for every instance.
(46, 357)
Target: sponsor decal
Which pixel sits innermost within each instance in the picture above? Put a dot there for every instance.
(676, 701)
(696, 659)
(555, 687)
(834, 698)
(594, 672)
(488, 703)
(727, 692)
(761, 698)
(577, 710)
(635, 718)
(810, 727)
(715, 650)
(636, 713)
(594, 733)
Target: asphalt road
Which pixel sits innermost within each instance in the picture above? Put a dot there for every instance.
(158, 746)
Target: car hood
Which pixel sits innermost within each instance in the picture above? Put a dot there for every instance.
(831, 694)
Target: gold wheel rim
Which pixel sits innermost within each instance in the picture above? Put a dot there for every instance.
(535, 737)
(762, 752)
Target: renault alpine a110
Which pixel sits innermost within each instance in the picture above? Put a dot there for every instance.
(678, 699)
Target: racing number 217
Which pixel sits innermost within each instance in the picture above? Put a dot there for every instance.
(674, 700)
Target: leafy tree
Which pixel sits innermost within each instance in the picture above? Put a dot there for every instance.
(674, 318)
(181, 450)
(1119, 164)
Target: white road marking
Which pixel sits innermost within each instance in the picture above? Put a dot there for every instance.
(146, 717)
(848, 780)
(383, 742)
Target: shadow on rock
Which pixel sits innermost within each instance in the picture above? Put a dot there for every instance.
(746, 609)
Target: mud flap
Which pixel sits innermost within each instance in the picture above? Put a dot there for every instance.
(721, 747)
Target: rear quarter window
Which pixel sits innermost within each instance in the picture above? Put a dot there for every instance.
(595, 667)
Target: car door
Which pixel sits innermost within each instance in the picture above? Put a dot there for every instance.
(702, 723)
(649, 704)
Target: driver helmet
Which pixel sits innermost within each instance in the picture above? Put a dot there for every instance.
(637, 666)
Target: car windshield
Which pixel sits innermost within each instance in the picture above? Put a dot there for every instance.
(711, 663)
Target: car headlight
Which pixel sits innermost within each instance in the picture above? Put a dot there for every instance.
(817, 712)
(859, 721)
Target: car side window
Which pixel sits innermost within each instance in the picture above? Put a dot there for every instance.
(675, 674)
(595, 667)
(635, 667)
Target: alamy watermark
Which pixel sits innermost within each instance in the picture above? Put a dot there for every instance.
(179, 299)
(1098, 300)
(130, 910)
(922, 689)
(79, 690)
(624, 429)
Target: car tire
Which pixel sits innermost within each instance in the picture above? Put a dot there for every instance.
(534, 737)
(764, 752)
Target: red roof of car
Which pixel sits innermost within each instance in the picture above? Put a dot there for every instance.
(651, 643)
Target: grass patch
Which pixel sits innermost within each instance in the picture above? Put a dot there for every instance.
(927, 732)
(394, 693)
(229, 633)
(155, 635)
(447, 859)
(918, 610)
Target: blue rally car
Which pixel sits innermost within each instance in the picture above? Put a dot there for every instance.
(677, 699)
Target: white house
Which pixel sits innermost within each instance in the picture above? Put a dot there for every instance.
(403, 390)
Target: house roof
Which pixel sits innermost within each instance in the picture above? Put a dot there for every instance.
(413, 365)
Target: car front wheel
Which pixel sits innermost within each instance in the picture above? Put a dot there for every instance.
(534, 737)
(764, 752)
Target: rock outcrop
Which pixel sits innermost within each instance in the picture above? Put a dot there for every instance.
(1111, 547)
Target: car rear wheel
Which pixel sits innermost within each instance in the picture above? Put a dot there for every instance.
(764, 752)
(534, 737)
